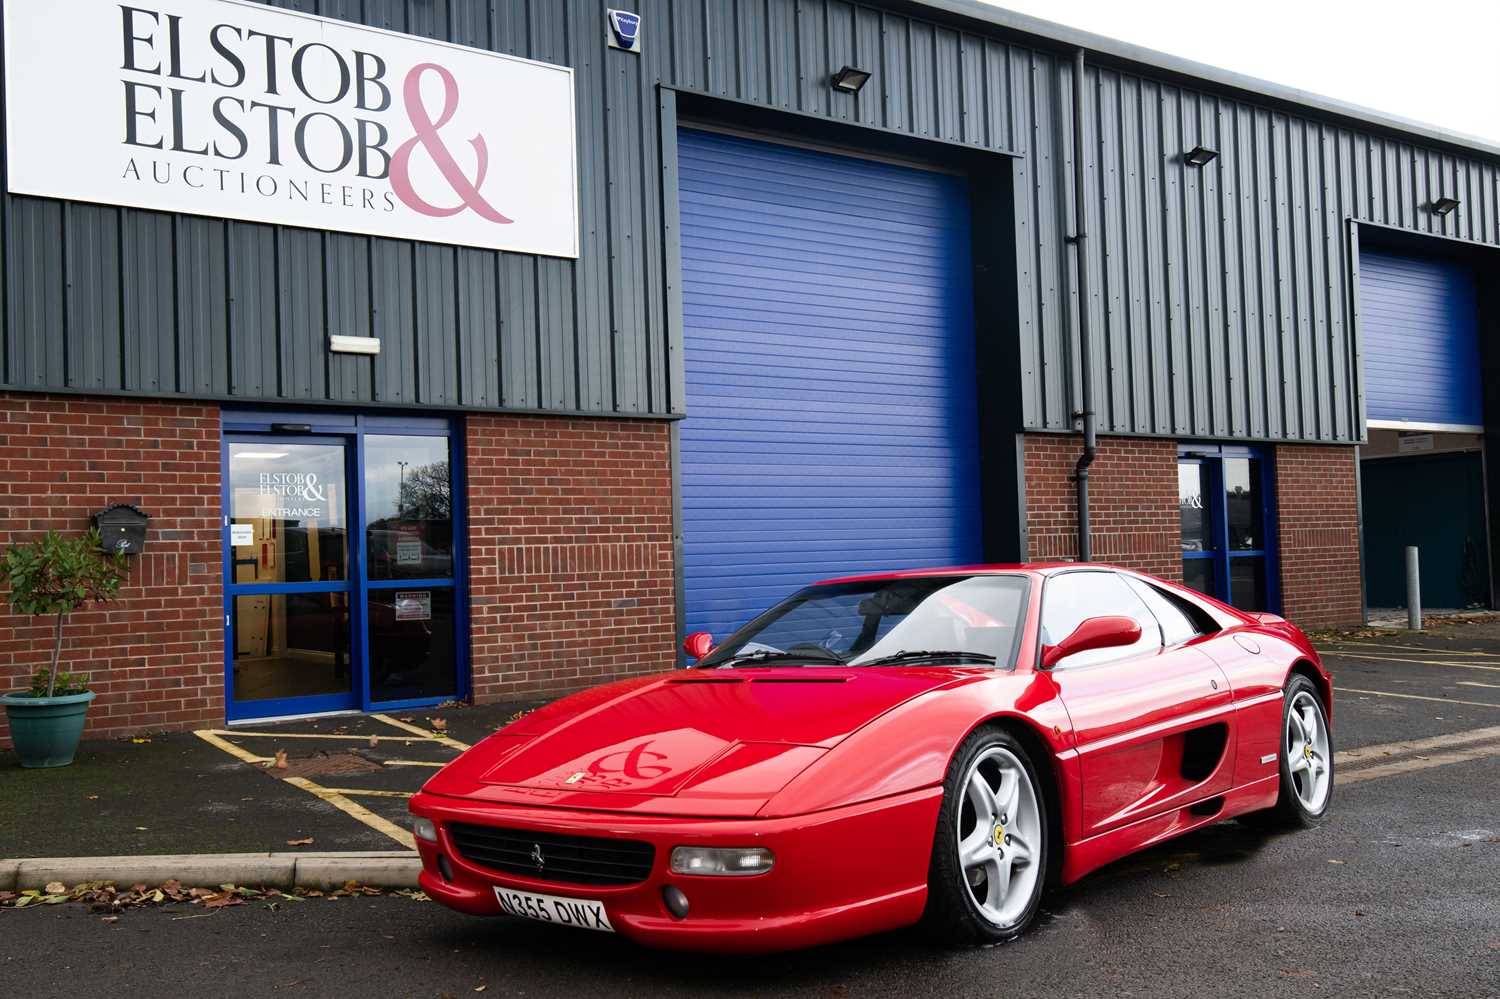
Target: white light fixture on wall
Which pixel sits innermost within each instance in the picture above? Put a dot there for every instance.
(353, 344)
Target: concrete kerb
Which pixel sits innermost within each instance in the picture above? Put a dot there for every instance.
(378, 869)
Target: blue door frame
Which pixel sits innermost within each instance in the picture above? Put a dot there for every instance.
(348, 430)
(1210, 457)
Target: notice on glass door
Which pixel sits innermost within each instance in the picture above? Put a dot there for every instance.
(241, 534)
(413, 605)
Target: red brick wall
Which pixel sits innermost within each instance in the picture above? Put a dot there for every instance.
(1318, 518)
(1132, 501)
(156, 655)
(570, 541)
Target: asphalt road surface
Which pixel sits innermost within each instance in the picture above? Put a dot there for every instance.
(1397, 894)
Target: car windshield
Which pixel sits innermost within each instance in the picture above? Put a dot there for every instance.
(926, 620)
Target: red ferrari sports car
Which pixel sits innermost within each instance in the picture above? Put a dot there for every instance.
(934, 746)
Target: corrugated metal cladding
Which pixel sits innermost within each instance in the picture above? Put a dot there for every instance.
(1221, 302)
(1420, 319)
(832, 421)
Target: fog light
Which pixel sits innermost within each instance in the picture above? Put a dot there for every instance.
(677, 903)
(721, 861)
(424, 829)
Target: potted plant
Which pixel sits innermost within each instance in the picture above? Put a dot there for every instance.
(53, 576)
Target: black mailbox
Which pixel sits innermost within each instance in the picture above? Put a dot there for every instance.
(122, 528)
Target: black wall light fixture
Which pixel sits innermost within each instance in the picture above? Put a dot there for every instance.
(850, 79)
(1444, 205)
(1200, 156)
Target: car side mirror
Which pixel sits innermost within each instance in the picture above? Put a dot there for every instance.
(698, 644)
(1106, 632)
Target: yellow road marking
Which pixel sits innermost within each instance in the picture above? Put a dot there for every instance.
(1474, 683)
(364, 792)
(1417, 697)
(1371, 754)
(312, 735)
(424, 733)
(1415, 648)
(1414, 763)
(413, 763)
(1427, 662)
(359, 812)
(239, 753)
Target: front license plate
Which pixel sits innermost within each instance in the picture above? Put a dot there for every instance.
(581, 912)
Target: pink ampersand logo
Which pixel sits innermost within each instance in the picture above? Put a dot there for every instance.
(427, 137)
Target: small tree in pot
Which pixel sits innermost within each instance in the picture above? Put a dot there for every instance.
(52, 577)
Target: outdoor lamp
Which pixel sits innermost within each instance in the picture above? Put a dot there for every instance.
(1200, 156)
(1444, 205)
(850, 79)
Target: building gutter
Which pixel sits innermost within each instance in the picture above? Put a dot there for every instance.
(1085, 360)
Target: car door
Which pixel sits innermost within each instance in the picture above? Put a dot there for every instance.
(1153, 722)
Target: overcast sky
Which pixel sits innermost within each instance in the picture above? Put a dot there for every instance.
(1430, 60)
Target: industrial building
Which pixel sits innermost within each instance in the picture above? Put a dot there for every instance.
(464, 348)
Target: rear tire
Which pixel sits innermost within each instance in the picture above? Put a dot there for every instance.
(1305, 762)
(990, 852)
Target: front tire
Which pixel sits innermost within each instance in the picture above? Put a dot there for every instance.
(989, 855)
(1305, 760)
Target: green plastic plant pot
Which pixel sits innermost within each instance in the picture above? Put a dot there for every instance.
(46, 730)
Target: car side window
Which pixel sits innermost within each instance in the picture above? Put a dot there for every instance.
(1071, 598)
(1176, 626)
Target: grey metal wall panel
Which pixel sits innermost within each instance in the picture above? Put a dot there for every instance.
(92, 238)
(301, 322)
(1221, 305)
(148, 306)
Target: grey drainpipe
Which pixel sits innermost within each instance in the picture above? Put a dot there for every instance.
(1081, 242)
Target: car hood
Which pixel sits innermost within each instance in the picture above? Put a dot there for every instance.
(683, 743)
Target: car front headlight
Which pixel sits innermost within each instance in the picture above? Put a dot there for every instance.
(424, 829)
(722, 861)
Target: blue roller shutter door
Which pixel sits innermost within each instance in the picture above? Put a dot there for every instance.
(1419, 328)
(829, 351)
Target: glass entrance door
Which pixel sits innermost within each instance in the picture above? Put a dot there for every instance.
(1226, 513)
(341, 570)
(289, 579)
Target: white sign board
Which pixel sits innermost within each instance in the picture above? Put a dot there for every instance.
(238, 110)
(414, 605)
(241, 534)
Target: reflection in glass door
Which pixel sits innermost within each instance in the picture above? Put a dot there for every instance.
(341, 568)
(1225, 507)
(409, 554)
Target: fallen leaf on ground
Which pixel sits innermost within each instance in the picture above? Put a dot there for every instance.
(93, 797)
(56, 888)
(439, 724)
(374, 741)
(141, 829)
(300, 842)
(280, 762)
(139, 741)
(480, 988)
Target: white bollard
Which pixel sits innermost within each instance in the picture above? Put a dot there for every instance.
(1413, 590)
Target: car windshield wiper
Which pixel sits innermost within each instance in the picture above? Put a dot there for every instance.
(794, 656)
(929, 656)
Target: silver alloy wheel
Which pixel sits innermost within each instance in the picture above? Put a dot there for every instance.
(1307, 752)
(999, 836)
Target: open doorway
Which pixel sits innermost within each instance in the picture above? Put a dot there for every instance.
(1425, 488)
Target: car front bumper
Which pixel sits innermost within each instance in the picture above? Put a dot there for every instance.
(839, 873)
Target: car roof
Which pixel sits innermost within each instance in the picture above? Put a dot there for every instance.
(995, 569)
